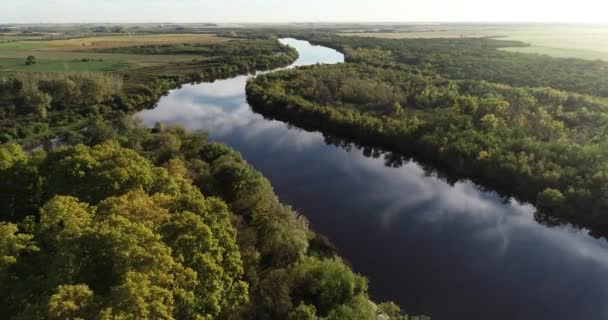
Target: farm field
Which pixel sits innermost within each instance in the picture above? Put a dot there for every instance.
(13, 37)
(55, 65)
(114, 41)
(78, 54)
(564, 41)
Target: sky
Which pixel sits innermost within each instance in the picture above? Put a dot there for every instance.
(41, 11)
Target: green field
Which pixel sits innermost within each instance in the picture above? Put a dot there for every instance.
(71, 54)
(14, 64)
(585, 42)
(566, 41)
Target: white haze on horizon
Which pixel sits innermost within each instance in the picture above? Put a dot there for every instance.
(58, 11)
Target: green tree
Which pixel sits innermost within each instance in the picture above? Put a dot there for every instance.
(64, 217)
(327, 284)
(397, 109)
(71, 302)
(303, 312)
(30, 60)
(219, 266)
(359, 308)
(20, 183)
(12, 244)
(93, 174)
(489, 122)
(392, 310)
(39, 102)
(550, 199)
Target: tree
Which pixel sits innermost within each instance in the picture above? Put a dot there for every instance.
(118, 29)
(397, 109)
(359, 308)
(93, 174)
(326, 284)
(489, 122)
(63, 91)
(20, 183)
(39, 102)
(303, 312)
(392, 310)
(64, 217)
(550, 199)
(12, 244)
(195, 238)
(92, 90)
(71, 302)
(30, 60)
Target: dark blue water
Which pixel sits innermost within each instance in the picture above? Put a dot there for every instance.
(448, 251)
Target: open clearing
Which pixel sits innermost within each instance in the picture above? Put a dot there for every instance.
(565, 41)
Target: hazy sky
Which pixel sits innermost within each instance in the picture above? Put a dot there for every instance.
(28, 11)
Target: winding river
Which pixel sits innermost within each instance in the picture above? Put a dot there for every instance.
(447, 251)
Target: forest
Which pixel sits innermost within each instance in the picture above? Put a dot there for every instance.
(160, 225)
(542, 145)
(103, 218)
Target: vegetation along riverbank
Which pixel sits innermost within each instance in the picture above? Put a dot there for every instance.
(103, 218)
(526, 133)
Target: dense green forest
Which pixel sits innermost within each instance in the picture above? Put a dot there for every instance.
(540, 145)
(122, 230)
(102, 218)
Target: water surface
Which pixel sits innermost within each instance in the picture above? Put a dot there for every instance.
(448, 251)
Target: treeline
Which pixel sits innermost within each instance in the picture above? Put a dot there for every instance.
(26, 93)
(121, 230)
(223, 59)
(541, 145)
(474, 59)
(232, 47)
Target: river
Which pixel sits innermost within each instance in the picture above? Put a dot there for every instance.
(450, 251)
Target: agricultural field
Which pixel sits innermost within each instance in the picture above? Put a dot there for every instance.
(114, 41)
(564, 41)
(80, 54)
(13, 37)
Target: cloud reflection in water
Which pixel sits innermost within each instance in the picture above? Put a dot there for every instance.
(451, 251)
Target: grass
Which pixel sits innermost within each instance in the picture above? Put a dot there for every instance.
(18, 65)
(22, 45)
(565, 41)
(67, 55)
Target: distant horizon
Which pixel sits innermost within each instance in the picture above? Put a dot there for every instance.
(405, 23)
(294, 11)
